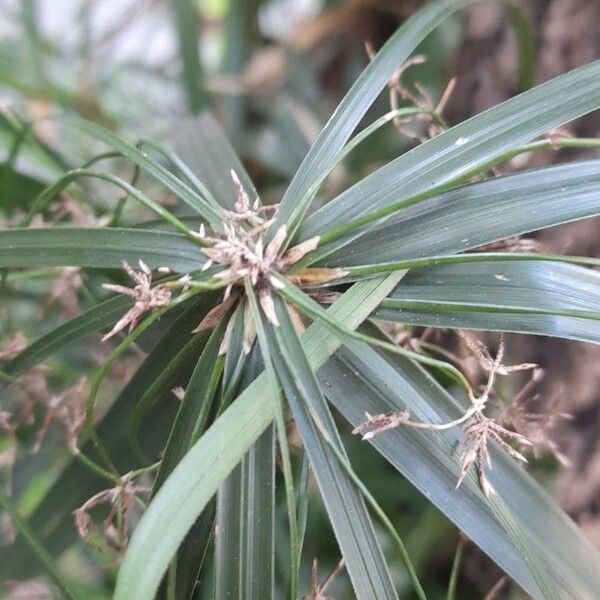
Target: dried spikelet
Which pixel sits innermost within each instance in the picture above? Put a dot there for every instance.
(294, 254)
(115, 526)
(68, 410)
(375, 424)
(317, 590)
(316, 276)
(178, 392)
(478, 428)
(146, 297)
(215, 316)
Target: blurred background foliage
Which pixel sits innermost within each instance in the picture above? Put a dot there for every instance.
(272, 71)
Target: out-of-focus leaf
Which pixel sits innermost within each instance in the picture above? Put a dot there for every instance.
(200, 141)
(525, 36)
(186, 21)
(37, 549)
(238, 24)
(479, 213)
(197, 477)
(53, 516)
(359, 380)
(97, 248)
(553, 299)
(97, 318)
(203, 206)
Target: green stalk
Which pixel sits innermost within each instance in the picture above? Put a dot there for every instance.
(460, 547)
(50, 192)
(283, 444)
(413, 263)
(36, 547)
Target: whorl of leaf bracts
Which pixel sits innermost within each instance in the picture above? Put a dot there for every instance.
(239, 252)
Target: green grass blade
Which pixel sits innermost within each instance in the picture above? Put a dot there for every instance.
(347, 512)
(245, 545)
(200, 141)
(75, 484)
(201, 205)
(218, 451)
(533, 297)
(355, 104)
(103, 248)
(479, 213)
(195, 407)
(456, 154)
(361, 380)
(63, 182)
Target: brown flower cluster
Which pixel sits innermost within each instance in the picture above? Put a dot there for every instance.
(527, 429)
(241, 253)
(146, 296)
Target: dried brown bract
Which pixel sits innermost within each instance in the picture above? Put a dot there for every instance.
(67, 409)
(317, 590)
(146, 297)
(12, 346)
(115, 526)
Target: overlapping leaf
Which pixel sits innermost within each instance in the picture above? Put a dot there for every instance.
(552, 299)
(359, 380)
(97, 248)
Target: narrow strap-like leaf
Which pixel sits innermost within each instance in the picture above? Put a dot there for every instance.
(454, 155)
(361, 380)
(479, 213)
(97, 248)
(53, 515)
(202, 206)
(347, 512)
(355, 104)
(197, 477)
(552, 299)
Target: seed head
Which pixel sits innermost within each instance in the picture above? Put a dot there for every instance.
(146, 297)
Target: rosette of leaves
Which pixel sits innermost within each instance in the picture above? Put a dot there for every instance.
(267, 312)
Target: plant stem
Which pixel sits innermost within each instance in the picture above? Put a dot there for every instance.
(456, 563)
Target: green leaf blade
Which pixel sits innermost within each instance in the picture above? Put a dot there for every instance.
(103, 248)
(194, 481)
(356, 103)
(534, 297)
(459, 152)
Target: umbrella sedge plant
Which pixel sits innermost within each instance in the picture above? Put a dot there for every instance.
(281, 311)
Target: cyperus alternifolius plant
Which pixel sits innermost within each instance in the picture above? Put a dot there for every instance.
(261, 316)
